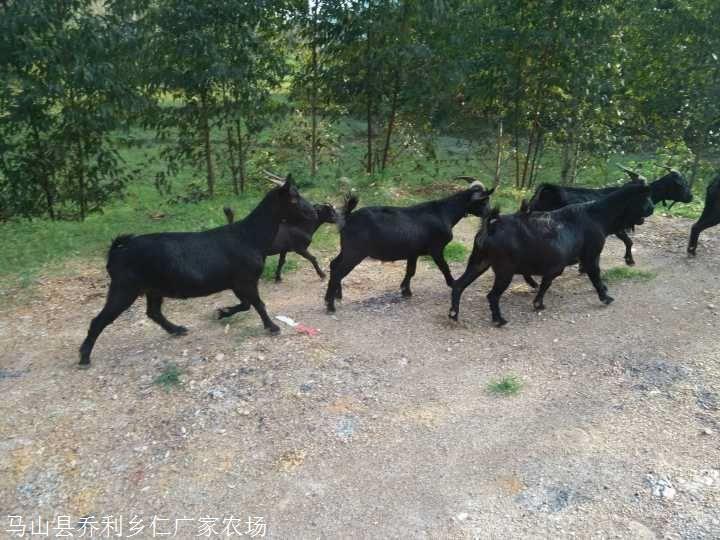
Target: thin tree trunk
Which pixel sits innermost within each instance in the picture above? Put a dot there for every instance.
(695, 167)
(391, 120)
(241, 155)
(313, 95)
(531, 143)
(535, 160)
(205, 126)
(46, 184)
(233, 163)
(576, 158)
(81, 181)
(498, 155)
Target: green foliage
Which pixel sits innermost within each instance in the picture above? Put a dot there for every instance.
(169, 377)
(64, 87)
(621, 273)
(509, 385)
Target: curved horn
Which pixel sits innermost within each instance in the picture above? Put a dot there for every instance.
(626, 170)
(274, 178)
(666, 167)
(469, 179)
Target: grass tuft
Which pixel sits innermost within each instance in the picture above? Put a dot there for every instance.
(169, 377)
(621, 273)
(271, 264)
(454, 252)
(507, 386)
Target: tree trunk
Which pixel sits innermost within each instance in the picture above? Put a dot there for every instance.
(231, 158)
(695, 167)
(391, 120)
(498, 155)
(241, 155)
(47, 184)
(313, 95)
(205, 127)
(81, 181)
(535, 164)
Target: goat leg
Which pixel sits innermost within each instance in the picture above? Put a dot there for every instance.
(154, 313)
(502, 282)
(442, 264)
(593, 272)
(310, 257)
(118, 300)
(473, 271)
(623, 235)
(229, 311)
(409, 273)
(530, 281)
(544, 286)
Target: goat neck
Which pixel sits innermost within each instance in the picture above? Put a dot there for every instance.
(455, 207)
(611, 208)
(260, 227)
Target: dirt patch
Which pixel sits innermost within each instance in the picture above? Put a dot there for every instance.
(381, 425)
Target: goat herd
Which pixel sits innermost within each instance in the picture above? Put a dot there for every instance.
(560, 226)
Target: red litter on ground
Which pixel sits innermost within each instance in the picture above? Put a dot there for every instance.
(299, 327)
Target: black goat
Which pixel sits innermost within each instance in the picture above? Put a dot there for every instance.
(389, 233)
(710, 215)
(297, 237)
(544, 243)
(671, 187)
(290, 237)
(189, 265)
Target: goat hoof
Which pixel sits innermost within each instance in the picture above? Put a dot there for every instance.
(499, 322)
(274, 330)
(607, 300)
(179, 331)
(222, 313)
(83, 365)
(453, 315)
(630, 262)
(330, 309)
(406, 293)
(538, 307)
(691, 253)
(322, 275)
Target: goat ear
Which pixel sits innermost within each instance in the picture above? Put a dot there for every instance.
(490, 191)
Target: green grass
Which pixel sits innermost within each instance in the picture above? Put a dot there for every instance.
(507, 386)
(169, 377)
(271, 266)
(454, 252)
(621, 273)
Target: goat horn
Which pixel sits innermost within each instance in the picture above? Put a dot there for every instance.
(667, 168)
(628, 171)
(469, 179)
(274, 178)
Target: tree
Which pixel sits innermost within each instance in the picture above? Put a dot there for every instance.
(63, 90)
(218, 60)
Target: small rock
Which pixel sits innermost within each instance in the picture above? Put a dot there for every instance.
(711, 306)
(219, 357)
(706, 431)
(216, 393)
(462, 516)
(668, 492)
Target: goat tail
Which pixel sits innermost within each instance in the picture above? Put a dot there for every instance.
(351, 202)
(118, 243)
(229, 214)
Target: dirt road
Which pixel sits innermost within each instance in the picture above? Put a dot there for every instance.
(381, 426)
